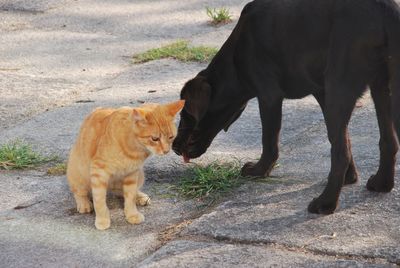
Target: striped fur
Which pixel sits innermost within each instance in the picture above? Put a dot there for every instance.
(110, 152)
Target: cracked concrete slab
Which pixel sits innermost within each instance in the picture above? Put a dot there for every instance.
(39, 225)
(61, 59)
(274, 211)
(87, 43)
(186, 253)
(368, 229)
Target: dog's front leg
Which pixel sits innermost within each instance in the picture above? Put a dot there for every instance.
(271, 116)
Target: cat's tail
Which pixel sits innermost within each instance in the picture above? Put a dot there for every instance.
(391, 16)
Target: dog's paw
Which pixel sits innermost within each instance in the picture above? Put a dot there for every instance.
(378, 183)
(351, 176)
(252, 169)
(322, 206)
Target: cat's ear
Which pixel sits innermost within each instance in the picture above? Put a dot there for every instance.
(175, 107)
(197, 93)
(138, 116)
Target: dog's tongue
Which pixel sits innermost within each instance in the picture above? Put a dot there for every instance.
(186, 159)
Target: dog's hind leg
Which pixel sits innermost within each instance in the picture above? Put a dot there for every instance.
(394, 74)
(391, 18)
(351, 173)
(339, 103)
(346, 78)
(395, 99)
(383, 180)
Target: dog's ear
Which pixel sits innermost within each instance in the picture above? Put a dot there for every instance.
(235, 116)
(197, 94)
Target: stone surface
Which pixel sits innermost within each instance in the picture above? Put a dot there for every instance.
(39, 225)
(205, 254)
(274, 210)
(53, 52)
(61, 59)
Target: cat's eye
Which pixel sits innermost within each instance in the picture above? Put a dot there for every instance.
(155, 138)
(171, 137)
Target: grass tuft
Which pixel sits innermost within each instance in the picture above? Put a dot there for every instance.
(19, 155)
(179, 50)
(219, 16)
(210, 180)
(57, 170)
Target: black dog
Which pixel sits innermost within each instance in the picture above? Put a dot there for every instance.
(332, 49)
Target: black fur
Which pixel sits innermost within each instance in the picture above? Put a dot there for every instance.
(332, 49)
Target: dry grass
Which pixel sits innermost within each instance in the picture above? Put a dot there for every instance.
(57, 170)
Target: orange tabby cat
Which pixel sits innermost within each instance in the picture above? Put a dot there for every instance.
(111, 149)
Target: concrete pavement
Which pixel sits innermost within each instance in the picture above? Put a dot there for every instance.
(56, 54)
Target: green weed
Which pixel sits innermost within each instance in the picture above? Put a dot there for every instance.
(19, 155)
(211, 180)
(179, 50)
(219, 15)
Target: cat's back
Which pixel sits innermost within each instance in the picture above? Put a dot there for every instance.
(92, 129)
(85, 146)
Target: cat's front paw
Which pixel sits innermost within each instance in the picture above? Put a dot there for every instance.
(142, 199)
(102, 223)
(135, 218)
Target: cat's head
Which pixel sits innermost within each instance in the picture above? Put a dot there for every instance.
(155, 125)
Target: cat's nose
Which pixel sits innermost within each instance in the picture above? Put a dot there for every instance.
(166, 151)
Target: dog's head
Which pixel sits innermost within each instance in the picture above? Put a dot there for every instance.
(206, 112)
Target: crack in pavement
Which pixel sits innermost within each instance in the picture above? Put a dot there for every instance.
(285, 246)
